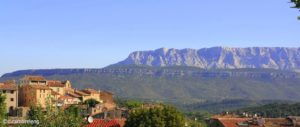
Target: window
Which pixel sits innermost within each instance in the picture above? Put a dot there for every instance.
(4, 91)
(12, 92)
(11, 99)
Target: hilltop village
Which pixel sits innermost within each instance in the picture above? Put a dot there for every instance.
(38, 91)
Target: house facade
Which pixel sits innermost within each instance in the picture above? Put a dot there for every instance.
(92, 94)
(30, 95)
(10, 90)
(57, 86)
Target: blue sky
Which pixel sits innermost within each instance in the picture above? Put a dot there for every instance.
(37, 34)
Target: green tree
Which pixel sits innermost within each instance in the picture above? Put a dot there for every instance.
(130, 104)
(36, 113)
(91, 102)
(197, 119)
(297, 5)
(56, 117)
(2, 109)
(159, 116)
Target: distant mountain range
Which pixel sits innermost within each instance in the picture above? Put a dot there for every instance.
(190, 76)
(219, 58)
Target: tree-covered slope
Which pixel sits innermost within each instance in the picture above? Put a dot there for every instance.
(180, 84)
(273, 110)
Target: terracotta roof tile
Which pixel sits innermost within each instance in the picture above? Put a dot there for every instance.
(268, 122)
(72, 94)
(53, 83)
(65, 97)
(33, 78)
(90, 91)
(107, 123)
(54, 93)
(8, 86)
(10, 82)
(232, 122)
(80, 93)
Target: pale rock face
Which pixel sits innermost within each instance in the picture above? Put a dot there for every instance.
(219, 58)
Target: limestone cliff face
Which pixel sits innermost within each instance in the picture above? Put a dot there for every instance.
(219, 58)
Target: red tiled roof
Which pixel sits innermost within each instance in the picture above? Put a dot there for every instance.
(90, 91)
(34, 78)
(65, 97)
(80, 93)
(10, 82)
(8, 86)
(268, 122)
(53, 83)
(73, 94)
(107, 123)
(232, 122)
(54, 93)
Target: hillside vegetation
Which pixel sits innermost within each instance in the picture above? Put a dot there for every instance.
(273, 110)
(183, 85)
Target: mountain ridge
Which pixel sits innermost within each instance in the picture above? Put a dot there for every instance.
(183, 83)
(282, 58)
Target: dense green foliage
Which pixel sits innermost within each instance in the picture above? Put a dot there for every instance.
(91, 102)
(2, 109)
(226, 105)
(55, 117)
(297, 5)
(273, 110)
(129, 104)
(161, 116)
(197, 119)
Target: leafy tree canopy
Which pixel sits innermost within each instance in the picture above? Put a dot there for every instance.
(159, 116)
(130, 104)
(297, 5)
(55, 117)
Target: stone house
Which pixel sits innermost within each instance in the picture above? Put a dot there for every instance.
(10, 90)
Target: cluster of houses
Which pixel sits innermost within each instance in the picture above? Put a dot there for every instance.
(235, 121)
(36, 90)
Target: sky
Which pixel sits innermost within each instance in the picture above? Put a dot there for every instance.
(47, 34)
